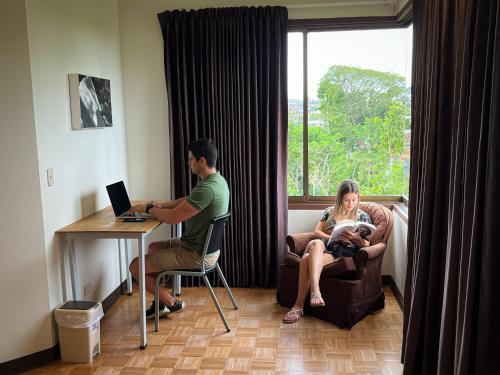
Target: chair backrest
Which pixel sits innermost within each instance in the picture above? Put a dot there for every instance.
(213, 241)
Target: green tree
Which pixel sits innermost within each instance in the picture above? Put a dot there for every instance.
(363, 116)
(359, 93)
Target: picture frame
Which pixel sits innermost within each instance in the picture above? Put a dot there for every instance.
(90, 101)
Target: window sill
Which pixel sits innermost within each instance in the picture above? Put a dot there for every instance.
(319, 203)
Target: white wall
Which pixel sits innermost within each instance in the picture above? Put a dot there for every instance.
(395, 256)
(72, 37)
(303, 220)
(25, 323)
(145, 101)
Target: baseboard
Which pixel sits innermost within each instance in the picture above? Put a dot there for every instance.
(389, 281)
(31, 361)
(115, 295)
(44, 357)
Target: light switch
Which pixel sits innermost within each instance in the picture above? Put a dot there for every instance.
(50, 177)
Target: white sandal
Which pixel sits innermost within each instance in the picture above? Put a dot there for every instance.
(316, 300)
(293, 315)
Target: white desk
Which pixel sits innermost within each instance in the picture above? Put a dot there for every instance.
(103, 224)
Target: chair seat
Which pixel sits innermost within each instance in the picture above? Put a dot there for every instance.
(207, 269)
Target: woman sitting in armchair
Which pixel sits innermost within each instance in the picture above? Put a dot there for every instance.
(317, 255)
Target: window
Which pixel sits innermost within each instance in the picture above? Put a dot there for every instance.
(356, 123)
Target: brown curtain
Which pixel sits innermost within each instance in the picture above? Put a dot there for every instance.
(452, 282)
(226, 79)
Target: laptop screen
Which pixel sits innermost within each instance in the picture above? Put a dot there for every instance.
(118, 197)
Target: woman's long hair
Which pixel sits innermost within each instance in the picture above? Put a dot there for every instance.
(346, 187)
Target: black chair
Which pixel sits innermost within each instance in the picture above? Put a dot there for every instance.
(213, 242)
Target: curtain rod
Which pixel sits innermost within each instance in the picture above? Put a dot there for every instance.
(343, 4)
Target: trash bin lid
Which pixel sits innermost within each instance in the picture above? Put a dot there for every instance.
(78, 314)
(79, 305)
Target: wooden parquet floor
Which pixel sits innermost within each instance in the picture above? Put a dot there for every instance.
(195, 341)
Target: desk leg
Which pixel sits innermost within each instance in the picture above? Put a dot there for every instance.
(120, 264)
(73, 270)
(176, 280)
(127, 263)
(63, 247)
(142, 293)
(176, 285)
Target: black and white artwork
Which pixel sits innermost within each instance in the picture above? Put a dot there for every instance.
(90, 99)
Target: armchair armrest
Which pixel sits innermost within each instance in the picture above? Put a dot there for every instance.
(366, 253)
(297, 242)
(374, 251)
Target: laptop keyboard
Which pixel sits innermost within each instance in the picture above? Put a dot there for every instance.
(135, 214)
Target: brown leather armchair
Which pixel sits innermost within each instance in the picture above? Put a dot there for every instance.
(351, 287)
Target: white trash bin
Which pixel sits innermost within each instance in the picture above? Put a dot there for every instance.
(78, 323)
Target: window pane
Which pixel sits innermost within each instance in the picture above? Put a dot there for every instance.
(295, 115)
(359, 110)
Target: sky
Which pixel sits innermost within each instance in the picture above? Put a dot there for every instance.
(383, 50)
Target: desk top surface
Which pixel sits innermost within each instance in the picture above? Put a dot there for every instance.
(104, 221)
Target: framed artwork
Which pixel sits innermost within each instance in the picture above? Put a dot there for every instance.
(90, 100)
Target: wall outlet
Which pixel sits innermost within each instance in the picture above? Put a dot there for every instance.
(87, 289)
(50, 177)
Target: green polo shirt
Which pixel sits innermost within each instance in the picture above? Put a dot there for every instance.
(210, 197)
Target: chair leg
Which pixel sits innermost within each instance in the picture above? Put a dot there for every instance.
(157, 304)
(221, 275)
(216, 303)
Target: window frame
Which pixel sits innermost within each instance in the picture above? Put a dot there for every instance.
(402, 20)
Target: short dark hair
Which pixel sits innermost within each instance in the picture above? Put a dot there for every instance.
(204, 147)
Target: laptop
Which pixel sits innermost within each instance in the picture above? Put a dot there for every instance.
(121, 203)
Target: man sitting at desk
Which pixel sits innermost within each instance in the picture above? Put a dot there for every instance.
(208, 199)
